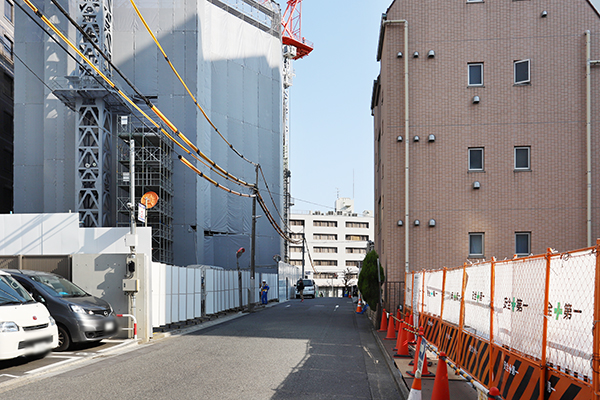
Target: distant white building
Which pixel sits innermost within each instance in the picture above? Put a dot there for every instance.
(336, 243)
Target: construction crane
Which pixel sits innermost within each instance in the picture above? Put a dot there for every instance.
(292, 29)
(294, 48)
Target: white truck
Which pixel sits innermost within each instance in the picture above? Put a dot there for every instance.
(26, 327)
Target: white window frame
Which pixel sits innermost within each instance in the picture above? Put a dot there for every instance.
(482, 235)
(12, 11)
(528, 148)
(469, 65)
(528, 80)
(528, 235)
(482, 159)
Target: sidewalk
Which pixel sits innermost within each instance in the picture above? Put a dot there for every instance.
(459, 388)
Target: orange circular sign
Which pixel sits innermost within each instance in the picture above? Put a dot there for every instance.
(149, 199)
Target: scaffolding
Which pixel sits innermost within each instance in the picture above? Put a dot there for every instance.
(153, 172)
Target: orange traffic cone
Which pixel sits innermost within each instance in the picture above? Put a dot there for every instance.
(441, 391)
(415, 390)
(359, 307)
(398, 319)
(425, 372)
(391, 332)
(384, 322)
(402, 343)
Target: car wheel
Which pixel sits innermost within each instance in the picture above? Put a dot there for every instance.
(64, 340)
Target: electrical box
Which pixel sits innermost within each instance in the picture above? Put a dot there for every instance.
(131, 285)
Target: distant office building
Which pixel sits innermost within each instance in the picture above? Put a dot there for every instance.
(6, 107)
(482, 134)
(336, 242)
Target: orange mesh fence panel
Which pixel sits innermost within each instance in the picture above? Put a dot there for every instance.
(476, 355)
(477, 299)
(565, 387)
(520, 287)
(433, 292)
(516, 377)
(452, 296)
(571, 313)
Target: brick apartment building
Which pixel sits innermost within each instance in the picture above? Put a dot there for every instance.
(488, 139)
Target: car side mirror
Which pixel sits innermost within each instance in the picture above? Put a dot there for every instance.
(39, 299)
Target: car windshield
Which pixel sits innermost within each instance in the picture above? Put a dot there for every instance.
(59, 286)
(307, 282)
(11, 292)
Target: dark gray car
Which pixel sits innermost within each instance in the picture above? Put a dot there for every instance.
(80, 316)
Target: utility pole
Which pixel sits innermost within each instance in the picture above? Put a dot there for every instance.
(303, 248)
(253, 246)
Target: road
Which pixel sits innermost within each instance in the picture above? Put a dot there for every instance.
(317, 349)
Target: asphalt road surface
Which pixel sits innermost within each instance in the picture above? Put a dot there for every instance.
(316, 349)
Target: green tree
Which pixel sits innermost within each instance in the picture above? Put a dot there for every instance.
(368, 283)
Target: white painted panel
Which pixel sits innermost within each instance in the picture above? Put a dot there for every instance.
(168, 294)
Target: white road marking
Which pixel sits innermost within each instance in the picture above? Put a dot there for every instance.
(68, 360)
(10, 376)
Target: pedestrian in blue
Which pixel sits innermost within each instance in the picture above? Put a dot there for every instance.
(264, 290)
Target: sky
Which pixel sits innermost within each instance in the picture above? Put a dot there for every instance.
(331, 127)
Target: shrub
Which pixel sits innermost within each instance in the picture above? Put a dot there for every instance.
(368, 283)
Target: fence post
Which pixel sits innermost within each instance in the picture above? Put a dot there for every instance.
(596, 331)
(492, 295)
(443, 295)
(545, 326)
(461, 319)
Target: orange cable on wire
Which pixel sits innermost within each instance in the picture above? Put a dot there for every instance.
(138, 12)
(153, 108)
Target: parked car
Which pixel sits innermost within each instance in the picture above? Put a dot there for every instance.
(26, 327)
(310, 289)
(80, 317)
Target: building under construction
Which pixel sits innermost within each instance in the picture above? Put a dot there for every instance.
(73, 128)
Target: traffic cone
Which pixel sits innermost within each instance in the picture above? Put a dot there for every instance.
(384, 322)
(415, 389)
(441, 390)
(359, 307)
(391, 332)
(402, 343)
(398, 319)
(425, 372)
(493, 393)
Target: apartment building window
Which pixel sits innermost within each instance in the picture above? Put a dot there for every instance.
(357, 225)
(474, 1)
(324, 236)
(8, 46)
(325, 249)
(356, 250)
(296, 222)
(362, 238)
(8, 10)
(476, 244)
(326, 263)
(523, 158)
(296, 262)
(330, 224)
(350, 263)
(476, 159)
(523, 243)
(295, 249)
(475, 74)
(522, 72)
(297, 235)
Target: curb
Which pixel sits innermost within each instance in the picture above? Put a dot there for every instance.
(398, 378)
